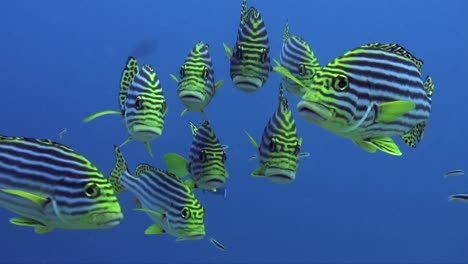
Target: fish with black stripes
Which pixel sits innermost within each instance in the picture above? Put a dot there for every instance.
(250, 64)
(50, 186)
(164, 197)
(299, 59)
(142, 104)
(280, 148)
(368, 95)
(196, 86)
(206, 163)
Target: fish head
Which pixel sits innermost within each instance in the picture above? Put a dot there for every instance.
(207, 158)
(208, 167)
(327, 101)
(298, 58)
(145, 106)
(187, 222)
(93, 206)
(281, 162)
(146, 121)
(250, 62)
(196, 85)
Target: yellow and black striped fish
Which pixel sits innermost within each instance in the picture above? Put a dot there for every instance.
(142, 104)
(51, 186)
(370, 94)
(299, 59)
(250, 58)
(279, 150)
(168, 201)
(196, 86)
(206, 164)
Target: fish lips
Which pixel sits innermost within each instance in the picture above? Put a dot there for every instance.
(247, 83)
(145, 133)
(107, 219)
(191, 99)
(280, 175)
(192, 235)
(211, 182)
(313, 112)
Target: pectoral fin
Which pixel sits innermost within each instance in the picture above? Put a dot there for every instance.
(173, 77)
(154, 229)
(228, 50)
(176, 164)
(39, 200)
(388, 112)
(101, 113)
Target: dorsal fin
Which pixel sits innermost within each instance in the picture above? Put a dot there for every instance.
(399, 50)
(142, 168)
(286, 34)
(194, 129)
(126, 79)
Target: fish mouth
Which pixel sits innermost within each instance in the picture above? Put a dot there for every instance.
(280, 175)
(212, 182)
(247, 83)
(191, 98)
(192, 235)
(107, 219)
(145, 133)
(313, 112)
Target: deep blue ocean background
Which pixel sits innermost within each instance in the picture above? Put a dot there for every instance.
(62, 60)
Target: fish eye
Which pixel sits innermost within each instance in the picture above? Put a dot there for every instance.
(182, 71)
(239, 52)
(185, 213)
(163, 106)
(341, 82)
(202, 156)
(205, 73)
(297, 148)
(272, 146)
(302, 69)
(263, 55)
(224, 157)
(92, 190)
(139, 103)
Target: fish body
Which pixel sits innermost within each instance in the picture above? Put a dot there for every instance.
(206, 162)
(142, 104)
(196, 86)
(51, 186)
(370, 94)
(299, 59)
(167, 200)
(279, 149)
(250, 63)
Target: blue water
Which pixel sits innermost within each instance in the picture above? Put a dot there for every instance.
(61, 61)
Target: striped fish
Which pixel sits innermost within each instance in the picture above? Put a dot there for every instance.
(168, 201)
(370, 94)
(250, 58)
(206, 164)
(279, 150)
(196, 86)
(51, 186)
(297, 57)
(142, 104)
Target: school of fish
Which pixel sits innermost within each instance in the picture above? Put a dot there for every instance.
(369, 95)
